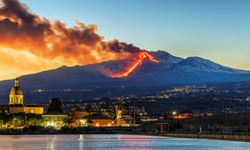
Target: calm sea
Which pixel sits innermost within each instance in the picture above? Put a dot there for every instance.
(112, 142)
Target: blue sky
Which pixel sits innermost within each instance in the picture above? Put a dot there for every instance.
(213, 29)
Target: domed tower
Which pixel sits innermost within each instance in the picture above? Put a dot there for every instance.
(16, 94)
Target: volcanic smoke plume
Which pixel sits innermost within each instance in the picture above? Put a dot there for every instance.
(51, 43)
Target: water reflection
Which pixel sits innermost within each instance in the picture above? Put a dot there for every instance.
(111, 142)
(81, 142)
(50, 145)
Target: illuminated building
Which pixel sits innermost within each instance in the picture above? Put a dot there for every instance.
(98, 121)
(16, 102)
(55, 119)
(77, 114)
(123, 115)
(121, 110)
(4, 108)
(16, 94)
(94, 110)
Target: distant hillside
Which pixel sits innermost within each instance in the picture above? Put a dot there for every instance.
(169, 70)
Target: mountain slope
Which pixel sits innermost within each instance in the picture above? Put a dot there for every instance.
(169, 70)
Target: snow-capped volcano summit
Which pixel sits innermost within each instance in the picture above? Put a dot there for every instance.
(165, 57)
(197, 64)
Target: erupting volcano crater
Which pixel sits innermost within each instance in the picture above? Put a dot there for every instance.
(141, 56)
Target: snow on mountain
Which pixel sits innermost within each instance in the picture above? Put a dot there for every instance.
(165, 57)
(197, 64)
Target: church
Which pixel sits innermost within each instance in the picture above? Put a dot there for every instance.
(16, 103)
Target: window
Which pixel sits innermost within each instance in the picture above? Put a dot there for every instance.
(16, 100)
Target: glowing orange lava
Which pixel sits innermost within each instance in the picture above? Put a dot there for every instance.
(142, 55)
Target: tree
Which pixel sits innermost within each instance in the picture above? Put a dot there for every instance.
(89, 122)
(55, 105)
(35, 120)
(4, 117)
(1, 122)
(68, 121)
(16, 120)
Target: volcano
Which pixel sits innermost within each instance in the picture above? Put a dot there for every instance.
(148, 69)
(141, 56)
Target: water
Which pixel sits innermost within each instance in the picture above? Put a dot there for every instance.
(112, 142)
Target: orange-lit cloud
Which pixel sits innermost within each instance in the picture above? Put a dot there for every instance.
(30, 43)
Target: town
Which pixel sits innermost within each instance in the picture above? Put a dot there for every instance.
(215, 108)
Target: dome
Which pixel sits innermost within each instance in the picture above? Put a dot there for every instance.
(16, 90)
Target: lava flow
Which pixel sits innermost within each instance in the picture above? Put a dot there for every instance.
(142, 55)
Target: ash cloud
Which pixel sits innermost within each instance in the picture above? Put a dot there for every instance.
(24, 31)
(120, 47)
(14, 9)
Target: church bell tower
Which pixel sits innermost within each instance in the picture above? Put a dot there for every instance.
(16, 94)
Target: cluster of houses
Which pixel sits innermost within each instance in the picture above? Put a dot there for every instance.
(83, 115)
(111, 116)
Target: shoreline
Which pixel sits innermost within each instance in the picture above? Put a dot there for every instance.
(227, 137)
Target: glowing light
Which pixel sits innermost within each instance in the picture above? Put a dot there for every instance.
(142, 55)
(174, 113)
(52, 123)
(48, 124)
